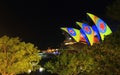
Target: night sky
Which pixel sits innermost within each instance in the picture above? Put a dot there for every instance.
(39, 21)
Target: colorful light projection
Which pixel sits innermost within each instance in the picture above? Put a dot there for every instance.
(88, 34)
(102, 27)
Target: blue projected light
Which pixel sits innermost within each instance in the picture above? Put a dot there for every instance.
(84, 35)
(71, 31)
(96, 31)
(86, 28)
(101, 26)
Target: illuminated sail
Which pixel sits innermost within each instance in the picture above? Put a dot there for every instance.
(97, 37)
(102, 27)
(87, 31)
(75, 33)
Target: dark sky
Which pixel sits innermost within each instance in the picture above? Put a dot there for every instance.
(39, 21)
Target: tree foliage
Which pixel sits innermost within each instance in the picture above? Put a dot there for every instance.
(70, 64)
(99, 59)
(113, 10)
(17, 57)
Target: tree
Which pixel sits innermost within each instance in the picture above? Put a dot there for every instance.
(17, 57)
(70, 63)
(113, 10)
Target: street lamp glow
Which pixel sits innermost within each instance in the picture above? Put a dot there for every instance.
(29, 71)
(41, 69)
